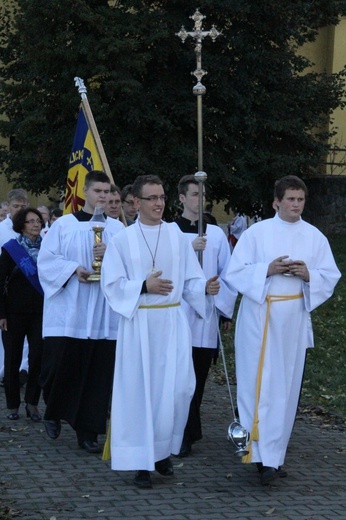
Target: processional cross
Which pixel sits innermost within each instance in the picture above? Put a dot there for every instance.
(198, 34)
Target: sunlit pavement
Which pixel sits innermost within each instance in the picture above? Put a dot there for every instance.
(45, 479)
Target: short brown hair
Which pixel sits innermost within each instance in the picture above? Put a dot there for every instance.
(184, 182)
(96, 176)
(141, 181)
(290, 182)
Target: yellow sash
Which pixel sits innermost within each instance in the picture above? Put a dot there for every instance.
(163, 306)
(271, 298)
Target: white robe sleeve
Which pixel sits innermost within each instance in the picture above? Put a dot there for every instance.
(121, 293)
(324, 275)
(53, 269)
(195, 283)
(226, 298)
(248, 276)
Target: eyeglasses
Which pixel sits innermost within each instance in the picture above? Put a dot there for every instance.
(154, 198)
(33, 221)
(129, 202)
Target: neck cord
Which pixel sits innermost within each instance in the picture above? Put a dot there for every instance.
(153, 256)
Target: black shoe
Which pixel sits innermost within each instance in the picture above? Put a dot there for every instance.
(268, 475)
(282, 473)
(85, 435)
(90, 446)
(33, 416)
(13, 416)
(186, 448)
(53, 428)
(165, 467)
(143, 479)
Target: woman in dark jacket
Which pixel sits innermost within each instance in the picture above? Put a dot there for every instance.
(21, 308)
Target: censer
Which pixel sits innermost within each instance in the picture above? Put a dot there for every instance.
(236, 433)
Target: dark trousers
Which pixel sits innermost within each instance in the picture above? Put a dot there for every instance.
(19, 326)
(76, 379)
(202, 358)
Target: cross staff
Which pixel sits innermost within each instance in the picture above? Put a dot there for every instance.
(198, 34)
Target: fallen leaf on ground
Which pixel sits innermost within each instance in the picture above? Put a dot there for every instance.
(270, 511)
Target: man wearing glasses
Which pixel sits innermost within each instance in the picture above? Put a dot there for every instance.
(130, 206)
(147, 269)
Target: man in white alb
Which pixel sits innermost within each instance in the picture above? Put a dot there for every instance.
(147, 269)
(284, 268)
(205, 332)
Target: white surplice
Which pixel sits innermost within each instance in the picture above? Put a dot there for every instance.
(6, 231)
(289, 332)
(216, 257)
(71, 308)
(154, 378)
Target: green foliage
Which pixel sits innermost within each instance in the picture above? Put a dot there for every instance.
(258, 111)
(325, 373)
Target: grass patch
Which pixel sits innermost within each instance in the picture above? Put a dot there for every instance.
(325, 373)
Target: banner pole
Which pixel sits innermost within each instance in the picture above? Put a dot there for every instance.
(93, 129)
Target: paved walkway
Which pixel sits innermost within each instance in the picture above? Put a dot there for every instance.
(55, 480)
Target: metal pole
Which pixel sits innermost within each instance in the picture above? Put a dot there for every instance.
(199, 90)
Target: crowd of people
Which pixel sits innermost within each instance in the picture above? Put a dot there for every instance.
(134, 346)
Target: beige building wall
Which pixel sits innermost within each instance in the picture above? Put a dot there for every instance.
(328, 53)
(339, 61)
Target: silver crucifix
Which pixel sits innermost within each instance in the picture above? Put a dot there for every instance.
(198, 34)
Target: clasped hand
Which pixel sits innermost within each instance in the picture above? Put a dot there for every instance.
(293, 267)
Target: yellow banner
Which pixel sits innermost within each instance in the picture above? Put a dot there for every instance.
(84, 158)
